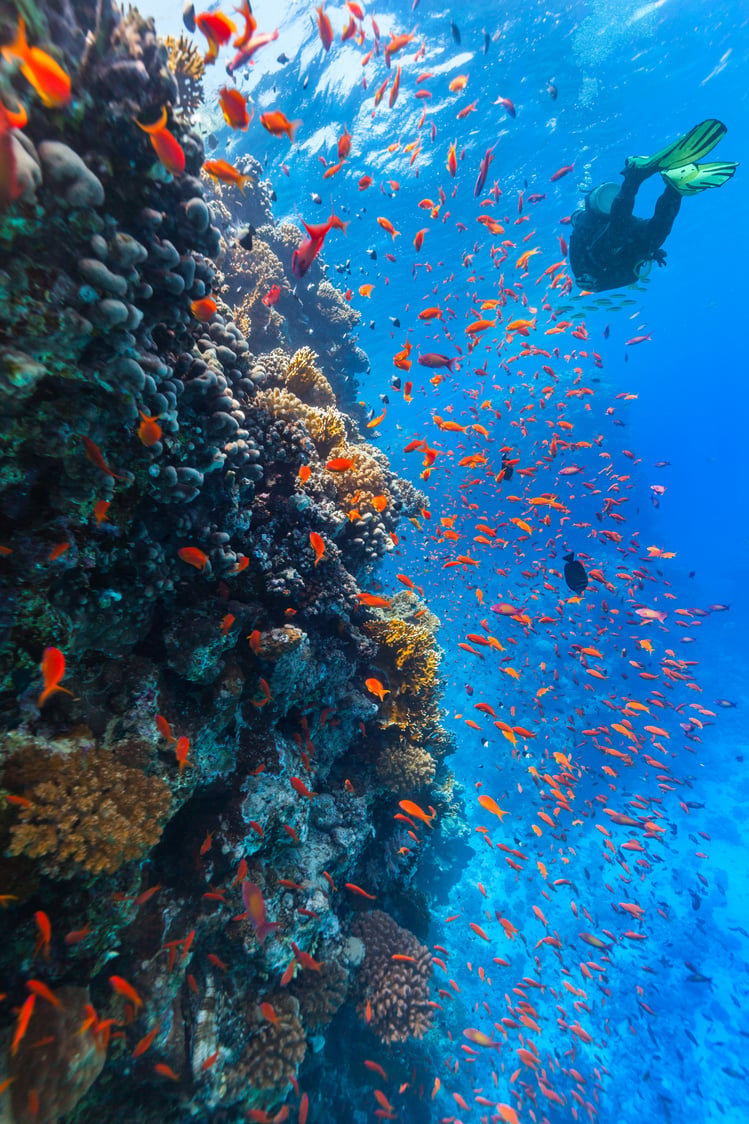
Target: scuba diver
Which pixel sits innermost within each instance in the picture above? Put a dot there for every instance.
(609, 245)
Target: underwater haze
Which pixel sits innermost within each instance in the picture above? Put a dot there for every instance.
(373, 595)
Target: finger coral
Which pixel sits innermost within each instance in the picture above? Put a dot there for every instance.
(408, 653)
(186, 63)
(395, 993)
(85, 811)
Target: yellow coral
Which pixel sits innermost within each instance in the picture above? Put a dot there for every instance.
(186, 63)
(326, 428)
(87, 812)
(307, 381)
(408, 652)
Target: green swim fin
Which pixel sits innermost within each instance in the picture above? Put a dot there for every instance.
(687, 150)
(693, 178)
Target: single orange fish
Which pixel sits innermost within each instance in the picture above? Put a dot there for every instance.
(122, 987)
(318, 545)
(193, 557)
(93, 454)
(234, 108)
(100, 510)
(203, 309)
(149, 430)
(226, 173)
(53, 669)
(58, 551)
(339, 464)
(181, 750)
(324, 27)
(277, 123)
(165, 144)
(376, 688)
(39, 69)
(23, 1022)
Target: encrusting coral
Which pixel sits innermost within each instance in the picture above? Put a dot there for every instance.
(395, 993)
(83, 811)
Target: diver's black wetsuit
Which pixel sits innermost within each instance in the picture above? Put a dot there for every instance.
(607, 249)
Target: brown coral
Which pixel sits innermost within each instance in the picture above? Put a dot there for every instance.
(274, 1050)
(405, 766)
(307, 381)
(320, 994)
(395, 993)
(87, 812)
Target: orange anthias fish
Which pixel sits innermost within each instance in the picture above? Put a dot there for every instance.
(317, 543)
(324, 27)
(491, 805)
(165, 144)
(218, 30)
(149, 430)
(203, 309)
(277, 123)
(418, 813)
(252, 897)
(234, 108)
(226, 173)
(193, 556)
(53, 669)
(49, 80)
(376, 688)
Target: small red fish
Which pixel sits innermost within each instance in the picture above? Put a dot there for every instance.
(193, 556)
(271, 297)
(53, 669)
(93, 453)
(203, 309)
(318, 545)
(39, 69)
(149, 430)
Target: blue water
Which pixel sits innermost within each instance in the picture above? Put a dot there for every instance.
(630, 77)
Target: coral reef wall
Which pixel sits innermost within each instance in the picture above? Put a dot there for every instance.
(197, 776)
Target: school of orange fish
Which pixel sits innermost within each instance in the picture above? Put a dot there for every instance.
(524, 465)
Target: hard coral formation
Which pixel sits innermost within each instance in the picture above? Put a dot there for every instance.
(186, 63)
(216, 665)
(395, 993)
(83, 811)
(274, 1051)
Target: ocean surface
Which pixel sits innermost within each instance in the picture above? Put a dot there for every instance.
(600, 923)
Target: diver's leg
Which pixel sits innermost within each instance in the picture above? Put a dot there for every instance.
(666, 210)
(624, 203)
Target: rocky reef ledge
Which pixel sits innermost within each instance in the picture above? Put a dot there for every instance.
(208, 718)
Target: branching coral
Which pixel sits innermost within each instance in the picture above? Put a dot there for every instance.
(86, 811)
(395, 993)
(407, 652)
(186, 63)
(307, 381)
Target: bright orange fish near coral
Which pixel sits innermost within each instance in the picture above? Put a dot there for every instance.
(53, 670)
(165, 144)
(40, 70)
